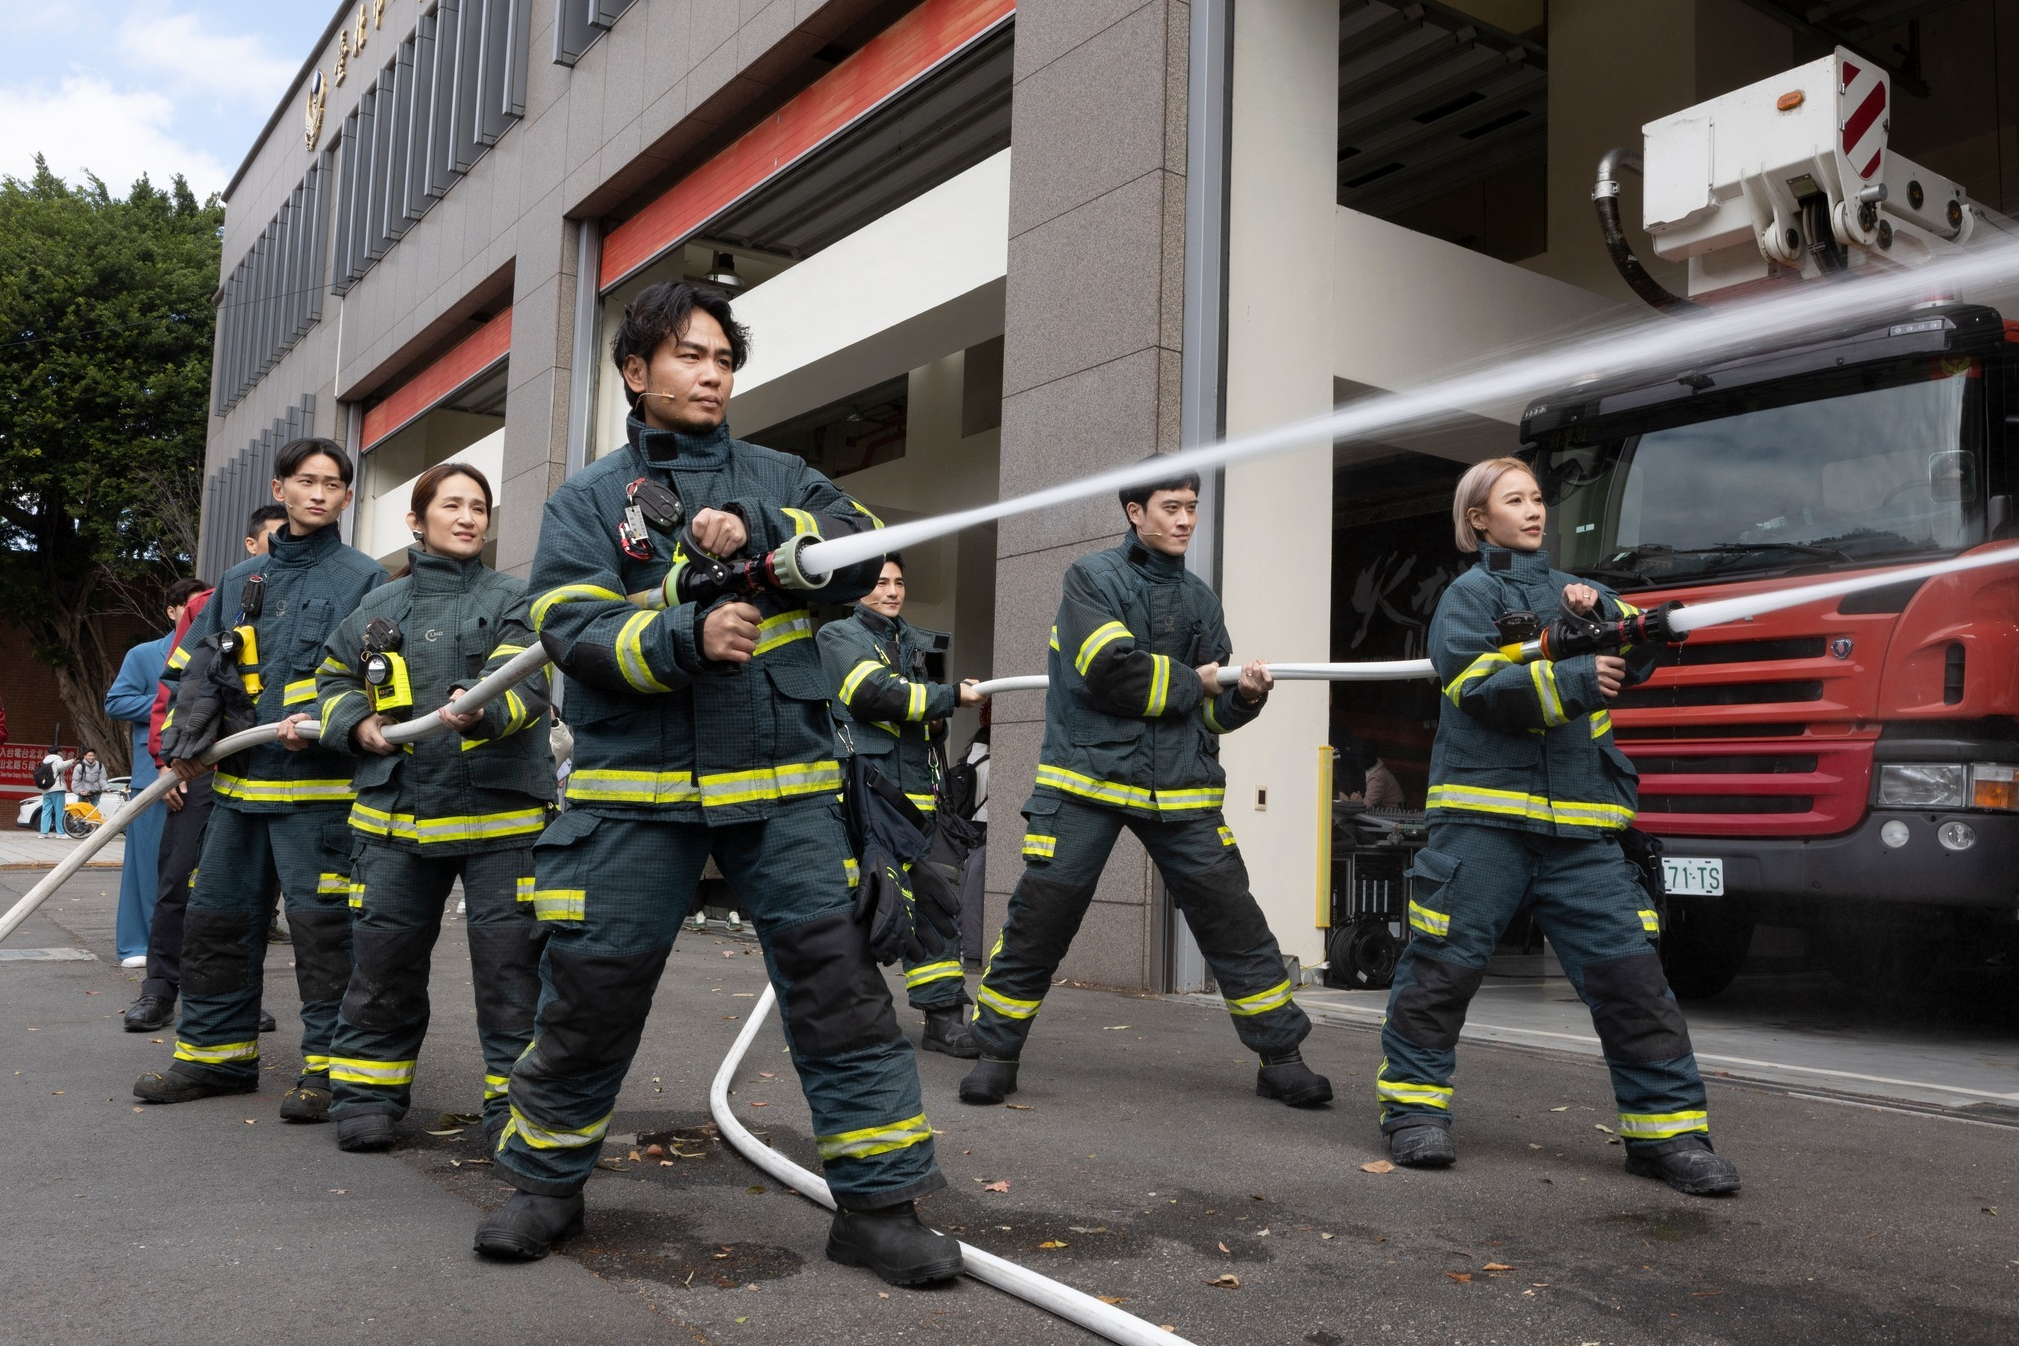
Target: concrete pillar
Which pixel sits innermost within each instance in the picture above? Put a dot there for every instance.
(537, 385)
(1090, 373)
(1277, 540)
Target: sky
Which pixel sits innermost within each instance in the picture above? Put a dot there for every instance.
(125, 87)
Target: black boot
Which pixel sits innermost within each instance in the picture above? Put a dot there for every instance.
(989, 1082)
(172, 1086)
(266, 1023)
(894, 1244)
(528, 1225)
(1422, 1147)
(1692, 1168)
(149, 1013)
(946, 1031)
(308, 1101)
(1285, 1077)
(363, 1132)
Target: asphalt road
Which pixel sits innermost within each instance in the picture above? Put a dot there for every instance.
(1138, 1150)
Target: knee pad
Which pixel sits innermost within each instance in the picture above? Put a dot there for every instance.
(506, 960)
(390, 988)
(1431, 1009)
(322, 952)
(216, 952)
(838, 1001)
(597, 1011)
(1637, 1020)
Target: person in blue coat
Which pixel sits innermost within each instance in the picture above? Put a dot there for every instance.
(132, 700)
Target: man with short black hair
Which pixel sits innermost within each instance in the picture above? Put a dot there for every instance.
(280, 807)
(1133, 718)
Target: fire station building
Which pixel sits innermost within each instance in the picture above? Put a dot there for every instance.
(986, 246)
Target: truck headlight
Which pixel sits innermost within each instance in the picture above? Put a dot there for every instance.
(1916, 785)
(1994, 786)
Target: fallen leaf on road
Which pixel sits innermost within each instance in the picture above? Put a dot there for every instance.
(883, 1294)
(1227, 1282)
(459, 1119)
(1462, 1277)
(1088, 1229)
(755, 1189)
(457, 1131)
(155, 1041)
(1328, 1236)
(1601, 1126)
(1225, 1249)
(1112, 1299)
(655, 1152)
(140, 1109)
(1018, 1107)
(1498, 1266)
(1988, 1210)
(731, 953)
(665, 1163)
(1533, 1146)
(251, 1122)
(1052, 1243)
(1378, 1166)
(1114, 1028)
(767, 1075)
(1261, 1233)
(338, 1191)
(759, 1103)
(1564, 1108)
(610, 1164)
(58, 1093)
(1002, 1186)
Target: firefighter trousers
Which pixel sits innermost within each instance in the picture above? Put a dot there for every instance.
(1066, 845)
(397, 899)
(224, 936)
(1466, 885)
(611, 894)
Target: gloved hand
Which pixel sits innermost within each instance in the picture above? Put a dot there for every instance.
(890, 838)
(210, 704)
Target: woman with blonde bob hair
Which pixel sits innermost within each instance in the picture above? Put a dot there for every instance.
(1528, 798)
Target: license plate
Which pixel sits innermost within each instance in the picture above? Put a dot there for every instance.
(1686, 877)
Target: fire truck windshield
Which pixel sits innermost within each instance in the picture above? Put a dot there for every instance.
(1882, 472)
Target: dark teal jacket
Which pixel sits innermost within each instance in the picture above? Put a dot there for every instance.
(452, 794)
(883, 704)
(1526, 746)
(1127, 723)
(312, 584)
(659, 731)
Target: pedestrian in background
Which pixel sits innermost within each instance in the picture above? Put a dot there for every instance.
(49, 777)
(132, 699)
(87, 782)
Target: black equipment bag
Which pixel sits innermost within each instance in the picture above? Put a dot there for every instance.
(210, 704)
(1644, 852)
(891, 837)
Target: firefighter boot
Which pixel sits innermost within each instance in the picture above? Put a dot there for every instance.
(528, 1225)
(172, 1086)
(946, 1031)
(1692, 1168)
(1422, 1147)
(365, 1131)
(1287, 1078)
(308, 1101)
(894, 1244)
(989, 1082)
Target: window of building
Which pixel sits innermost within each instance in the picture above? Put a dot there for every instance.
(578, 23)
(863, 430)
(273, 296)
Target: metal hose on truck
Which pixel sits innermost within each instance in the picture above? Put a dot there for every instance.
(518, 670)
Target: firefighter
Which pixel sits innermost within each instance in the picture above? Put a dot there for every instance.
(885, 707)
(279, 807)
(1528, 797)
(467, 806)
(702, 728)
(1132, 725)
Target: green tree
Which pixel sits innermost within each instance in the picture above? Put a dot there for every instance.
(105, 343)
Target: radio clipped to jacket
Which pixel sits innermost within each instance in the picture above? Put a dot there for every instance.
(240, 643)
(385, 670)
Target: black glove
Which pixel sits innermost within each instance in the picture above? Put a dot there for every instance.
(890, 838)
(936, 882)
(211, 703)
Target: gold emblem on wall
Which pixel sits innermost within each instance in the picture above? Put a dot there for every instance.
(364, 10)
(318, 94)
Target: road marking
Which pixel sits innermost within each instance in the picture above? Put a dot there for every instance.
(47, 956)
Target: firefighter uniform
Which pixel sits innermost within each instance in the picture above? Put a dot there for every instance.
(275, 811)
(1131, 740)
(1528, 794)
(886, 709)
(677, 757)
(445, 808)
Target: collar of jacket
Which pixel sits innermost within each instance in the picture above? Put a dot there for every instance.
(1153, 564)
(434, 574)
(288, 550)
(885, 628)
(1527, 565)
(663, 447)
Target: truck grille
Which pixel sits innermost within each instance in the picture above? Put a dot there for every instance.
(1720, 694)
(1745, 788)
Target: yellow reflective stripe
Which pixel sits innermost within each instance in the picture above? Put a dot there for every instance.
(1040, 847)
(858, 507)
(298, 691)
(457, 828)
(1055, 638)
(780, 782)
(334, 665)
(854, 680)
(1537, 808)
(630, 651)
(168, 719)
(851, 868)
(1543, 674)
(783, 629)
(328, 708)
(928, 972)
(802, 522)
(1212, 716)
(1191, 799)
(219, 1054)
(1484, 666)
(1007, 1006)
(1601, 723)
(1160, 685)
(570, 593)
(1429, 922)
(1104, 635)
(1650, 921)
(1226, 836)
(332, 883)
(552, 1138)
(179, 658)
(1410, 1091)
(558, 904)
(357, 898)
(284, 791)
(1626, 609)
(524, 891)
(602, 786)
(1261, 1002)
(1662, 1125)
(923, 803)
(1195, 799)
(872, 1140)
(506, 651)
(915, 710)
(496, 1086)
(384, 1074)
(315, 1065)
